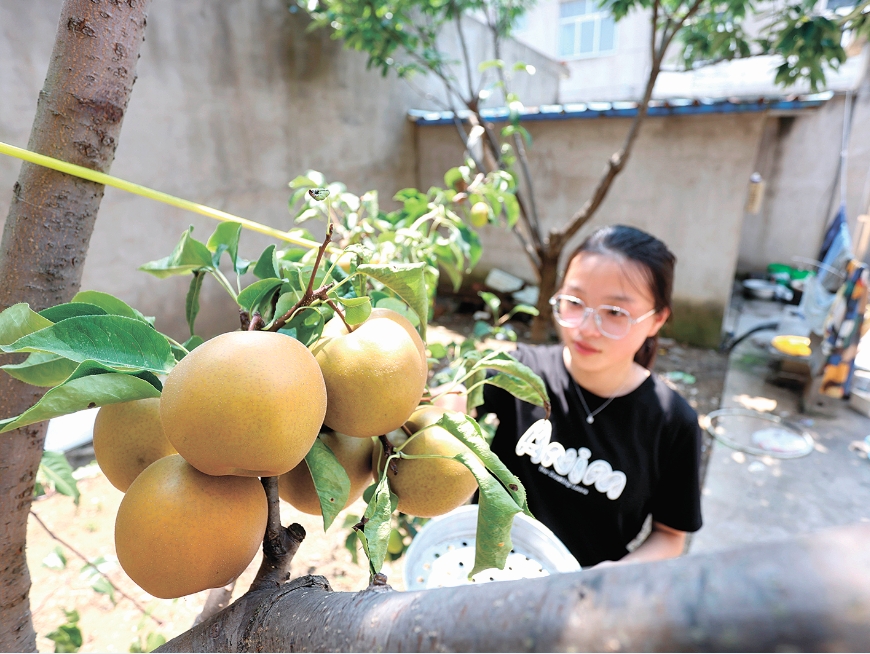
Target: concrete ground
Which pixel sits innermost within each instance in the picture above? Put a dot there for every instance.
(750, 499)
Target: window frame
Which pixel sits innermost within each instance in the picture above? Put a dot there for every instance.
(595, 17)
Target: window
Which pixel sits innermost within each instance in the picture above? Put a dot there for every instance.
(585, 30)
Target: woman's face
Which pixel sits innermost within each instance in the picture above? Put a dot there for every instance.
(608, 279)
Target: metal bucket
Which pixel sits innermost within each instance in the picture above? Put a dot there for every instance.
(442, 553)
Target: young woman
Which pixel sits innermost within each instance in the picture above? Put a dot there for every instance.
(623, 445)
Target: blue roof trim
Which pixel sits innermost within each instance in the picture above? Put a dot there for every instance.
(672, 107)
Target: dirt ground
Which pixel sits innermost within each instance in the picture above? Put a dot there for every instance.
(89, 529)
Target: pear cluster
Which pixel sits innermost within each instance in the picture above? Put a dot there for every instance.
(251, 404)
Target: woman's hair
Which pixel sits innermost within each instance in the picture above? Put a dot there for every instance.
(654, 258)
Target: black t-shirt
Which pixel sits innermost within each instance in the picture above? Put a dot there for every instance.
(594, 485)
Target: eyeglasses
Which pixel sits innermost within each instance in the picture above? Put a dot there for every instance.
(612, 322)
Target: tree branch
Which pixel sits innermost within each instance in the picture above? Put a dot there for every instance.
(558, 237)
(94, 567)
(218, 599)
(280, 544)
(465, 57)
(810, 593)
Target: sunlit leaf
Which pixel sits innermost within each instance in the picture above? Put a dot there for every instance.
(91, 385)
(20, 320)
(111, 340)
(330, 481)
(56, 469)
(189, 255)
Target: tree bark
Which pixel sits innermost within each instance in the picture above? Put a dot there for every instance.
(45, 240)
(808, 594)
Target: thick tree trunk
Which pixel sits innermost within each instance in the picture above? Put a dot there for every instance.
(46, 236)
(808, 594)
(542, 325)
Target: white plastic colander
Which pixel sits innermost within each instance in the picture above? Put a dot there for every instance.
(442, 553)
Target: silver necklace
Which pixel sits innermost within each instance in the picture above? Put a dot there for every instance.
(590, 415)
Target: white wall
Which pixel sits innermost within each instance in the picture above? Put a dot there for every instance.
(685, 183)
(233, 100)
(620, 75)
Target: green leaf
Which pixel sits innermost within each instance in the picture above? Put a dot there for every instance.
(407, 281)
(55, 468)
(191, 303)
(91, 385)
(267, 265)
(103, 586)
(468, 432)
(350, 545)
(516, 387)
(494, 518)
(524, 308)
(492, 301)
(306, 326)
(41, 369)
(330, 481)
(226, 239)
(153, 641)
(189, 255)
(71, 310)
(357, 309)
(437, 350)
(56, 560)
(111, 305)
(67, 637)
(253, 296)
(490, 63)
(511, 209)
(503, 362)
(111, 340)
(377, 529)
(20, 320)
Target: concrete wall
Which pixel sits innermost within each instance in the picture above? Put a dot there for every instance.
(685, 183)
(233, 100)
(799, 159)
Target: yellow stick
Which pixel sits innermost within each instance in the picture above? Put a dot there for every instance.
(144, 191)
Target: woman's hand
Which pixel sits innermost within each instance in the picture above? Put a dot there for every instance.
(454, 399)
(663, 543)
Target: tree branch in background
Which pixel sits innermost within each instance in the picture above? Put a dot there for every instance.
(93, 566)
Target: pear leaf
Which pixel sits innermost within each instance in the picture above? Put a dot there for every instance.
(267, 265)
(504, 362)
(330, 480)
(111, 340)
(494, 518)
(20, 320)
(517, 387)
(71, 310)
(252, 297)
(41, 369)
(356, 309)
(55, 468)
(407, 281)
(466, 429)
(91, 385)
(225, 238)
(188, 255)
(377, 529)
(111, 305)
(191, 303)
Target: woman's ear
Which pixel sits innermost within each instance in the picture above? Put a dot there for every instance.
(658, 321)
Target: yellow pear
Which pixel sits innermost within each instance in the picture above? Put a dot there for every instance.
(427, 487)
(128, 437)
(375, 375)
(180, 531)
(355, 456)
(244, 403)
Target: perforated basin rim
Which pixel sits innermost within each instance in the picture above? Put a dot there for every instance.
(766, 434)
(442, 552)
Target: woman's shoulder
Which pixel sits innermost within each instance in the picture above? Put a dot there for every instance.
(673, 406)
(545, 360)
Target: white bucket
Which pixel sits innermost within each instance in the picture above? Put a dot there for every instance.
(442, 553)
